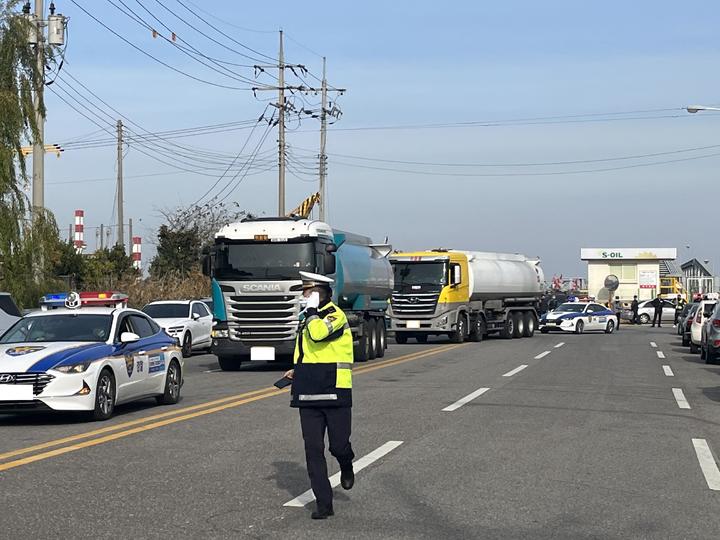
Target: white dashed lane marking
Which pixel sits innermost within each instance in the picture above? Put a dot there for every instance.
(707, 463)
(668, 371)
(514, 371)
(542, 355)
(308, 497)
(559, 344)
(661, 354)
(653, 344)
(680, 398)
(467, 399)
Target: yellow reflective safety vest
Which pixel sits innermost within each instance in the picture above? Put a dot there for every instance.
(323, 360)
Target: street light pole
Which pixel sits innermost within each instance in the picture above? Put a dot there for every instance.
(38, 185)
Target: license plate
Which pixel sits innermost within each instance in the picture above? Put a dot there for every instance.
(413, 324)
(16, 392)
(262, 353)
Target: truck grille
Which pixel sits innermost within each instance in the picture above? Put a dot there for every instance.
(414, 304)
(266, 317)
(38, 380)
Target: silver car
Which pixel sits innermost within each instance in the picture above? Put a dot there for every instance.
(646, 311)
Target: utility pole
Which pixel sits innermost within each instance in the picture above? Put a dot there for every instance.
(281, 129)
(120, 204)
(323, 140)
(130, 233)
(101, 235)
(38, 186)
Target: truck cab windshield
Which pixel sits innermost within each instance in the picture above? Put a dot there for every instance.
(428, 274)
(264, 260)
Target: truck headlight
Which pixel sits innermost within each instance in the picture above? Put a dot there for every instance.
(443, 320)
(73, 368)
(221, 333)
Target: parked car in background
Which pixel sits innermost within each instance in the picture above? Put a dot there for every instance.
(9, 312)
(189, 321)
(710, 341)
(681, 318)
(703, 313)
(685, 323)
(646, 311)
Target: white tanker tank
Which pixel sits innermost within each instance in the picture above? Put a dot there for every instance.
(502, 275)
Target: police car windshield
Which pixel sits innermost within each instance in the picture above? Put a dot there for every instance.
(64, 327)
(570, 308)
(168, 311)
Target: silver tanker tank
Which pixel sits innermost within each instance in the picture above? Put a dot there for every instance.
(503, 275)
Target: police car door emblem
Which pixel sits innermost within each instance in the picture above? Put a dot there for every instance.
(129, 364)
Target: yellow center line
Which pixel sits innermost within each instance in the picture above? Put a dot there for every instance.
(176, 416)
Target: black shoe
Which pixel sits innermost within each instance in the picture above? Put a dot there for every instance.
(347, 478)
(322, 513)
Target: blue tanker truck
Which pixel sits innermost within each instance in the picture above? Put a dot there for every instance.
(255, 264)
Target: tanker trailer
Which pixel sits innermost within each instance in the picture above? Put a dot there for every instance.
(254, 267)
(464, 295)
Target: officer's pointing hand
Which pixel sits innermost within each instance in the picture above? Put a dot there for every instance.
(289, 374)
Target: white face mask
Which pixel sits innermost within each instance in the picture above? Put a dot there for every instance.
(312, 301)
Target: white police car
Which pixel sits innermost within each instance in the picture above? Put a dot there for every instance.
(579, 317)
(81, 358)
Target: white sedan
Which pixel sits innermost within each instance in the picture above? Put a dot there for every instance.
(87, 359)
(579, 317)
(190, 321)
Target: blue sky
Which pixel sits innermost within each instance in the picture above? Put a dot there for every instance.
(417, 63)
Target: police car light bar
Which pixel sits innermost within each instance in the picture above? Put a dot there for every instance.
(106, 298)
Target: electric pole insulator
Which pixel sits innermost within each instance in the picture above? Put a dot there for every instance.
(32, 28)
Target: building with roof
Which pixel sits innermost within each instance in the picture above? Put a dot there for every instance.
(698, 277)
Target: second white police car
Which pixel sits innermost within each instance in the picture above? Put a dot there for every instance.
(83, 358)
(579, 317)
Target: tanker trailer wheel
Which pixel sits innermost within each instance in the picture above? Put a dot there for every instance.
(529, 324)
(382, 338)
(508, 330)
(519, 324)
(478, 330)
(458, 336)
(361, 351)
(401, 338)
(372, 337)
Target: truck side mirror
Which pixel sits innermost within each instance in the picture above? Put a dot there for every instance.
(329, 263)
(456, 277)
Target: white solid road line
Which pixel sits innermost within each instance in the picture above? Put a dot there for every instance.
(680, 398)
(514, 371)
(308, 497)
(707, 463)
(559, 344)
(542, 355)
(660, 354)
(213, 370)
(668, 371)
(459, 403)
(653, 344)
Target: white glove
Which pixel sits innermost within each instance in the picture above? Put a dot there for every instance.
(313, 301)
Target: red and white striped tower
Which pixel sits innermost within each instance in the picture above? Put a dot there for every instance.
(137, 252)
(79, 236)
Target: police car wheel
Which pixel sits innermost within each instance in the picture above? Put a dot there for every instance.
(104, 396)
(544, 331)
(610, 328)
(579, 327)
(173, 382)
(187, 345)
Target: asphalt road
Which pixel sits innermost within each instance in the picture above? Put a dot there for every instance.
(586, 441)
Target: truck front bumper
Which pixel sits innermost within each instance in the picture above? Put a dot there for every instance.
(229, 347)
(439, 324)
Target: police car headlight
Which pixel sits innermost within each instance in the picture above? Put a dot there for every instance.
(74, 368)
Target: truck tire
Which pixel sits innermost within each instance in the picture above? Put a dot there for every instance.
(530, 324)
(478, 330)
(229, 363)
(519, 324)
(694, 349)
(361, 351)
(401, 338)
(421, 338)
(458, 336)
(508, 330)
(372, 333)
(382, 338)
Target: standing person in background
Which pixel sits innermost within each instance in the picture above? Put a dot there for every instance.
(657, 303)
(679, 305)
(618, 310)
(634, 306)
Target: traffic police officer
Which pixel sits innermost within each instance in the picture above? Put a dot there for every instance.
(322, 388)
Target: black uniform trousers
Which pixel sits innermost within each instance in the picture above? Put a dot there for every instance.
(618, 314)
(314, 421)
(657, 316)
